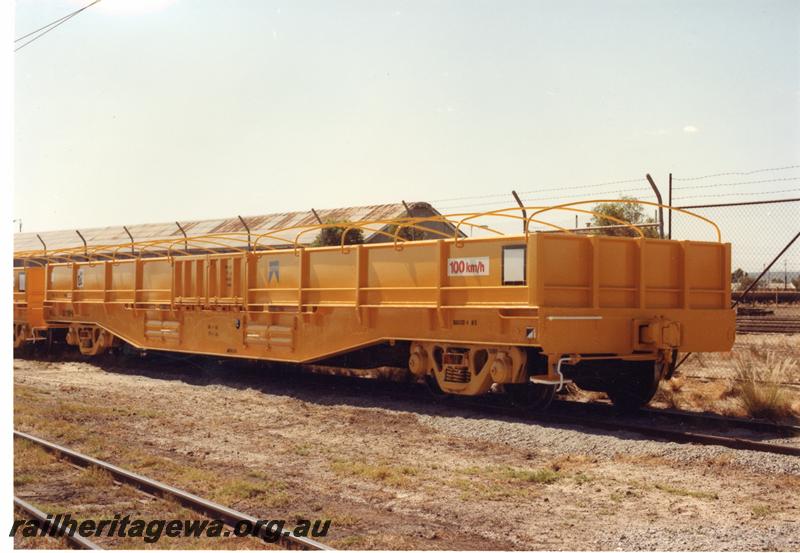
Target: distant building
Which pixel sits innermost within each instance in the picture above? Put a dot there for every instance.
(777, 286)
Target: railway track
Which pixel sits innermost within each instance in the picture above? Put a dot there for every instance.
(76, 541)
(153, 487)
(721, 378)
(764, 325)
(663, 424)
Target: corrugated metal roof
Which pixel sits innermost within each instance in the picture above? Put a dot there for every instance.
(258, 224)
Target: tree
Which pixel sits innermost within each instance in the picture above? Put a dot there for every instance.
(742, 279)
(406, 233)
(630, 212)
(332, 236)
(746, 281)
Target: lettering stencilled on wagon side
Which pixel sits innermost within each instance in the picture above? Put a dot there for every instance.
(468, 266)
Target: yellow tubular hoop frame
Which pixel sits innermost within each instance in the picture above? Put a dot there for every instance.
(192, 242)
(399, 223)
(639, 202)
(409, 222)
(603, 215)
(208, 242)
(504, 213)
(345, 228)
(433, 218)
(206, 239)
(500, 213)
(394, 236)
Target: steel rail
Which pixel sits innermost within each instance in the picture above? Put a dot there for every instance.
(768, 324)
(672, 435)
(606, 417)
(193, 502)
(589, 409)
(712, 418)
(75, 539)
(720, 378)
(610, 420)
(680, 417)
(680, 436)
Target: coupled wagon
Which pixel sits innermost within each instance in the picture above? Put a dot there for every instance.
(521, 313)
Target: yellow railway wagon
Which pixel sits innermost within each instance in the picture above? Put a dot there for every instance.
(522, 313)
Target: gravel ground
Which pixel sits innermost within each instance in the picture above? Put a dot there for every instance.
(402, 474)
(554, 440)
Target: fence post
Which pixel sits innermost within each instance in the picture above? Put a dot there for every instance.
(43, 244)
(660, 202)
(85, 247)
(248, 231)
(669, 215)
(185, 239)
(524, 213)
(133, 251)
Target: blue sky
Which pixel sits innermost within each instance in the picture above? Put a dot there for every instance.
(161, 110)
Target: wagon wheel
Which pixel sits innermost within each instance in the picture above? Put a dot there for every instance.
(434, 389)
(634, 388)
(530, 396)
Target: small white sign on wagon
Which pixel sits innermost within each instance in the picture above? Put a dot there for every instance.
(468, 266)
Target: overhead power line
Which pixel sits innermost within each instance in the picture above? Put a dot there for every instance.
(41, 31)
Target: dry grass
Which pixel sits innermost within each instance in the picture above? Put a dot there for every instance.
(394, 475)
(539, 476)
(668, 391)
(758, 383)
(684, 492)
(752, 380)
(95, 477)
(762, 511)
(30, 454)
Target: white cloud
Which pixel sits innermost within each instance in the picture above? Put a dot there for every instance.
(690, 129)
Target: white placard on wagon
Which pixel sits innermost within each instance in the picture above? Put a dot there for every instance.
(468, 266)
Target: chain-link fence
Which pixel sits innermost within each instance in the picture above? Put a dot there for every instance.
(768, 315)
(758, 229)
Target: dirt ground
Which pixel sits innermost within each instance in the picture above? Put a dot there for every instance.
(395, 475)
(41, 476)
(709, 381)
